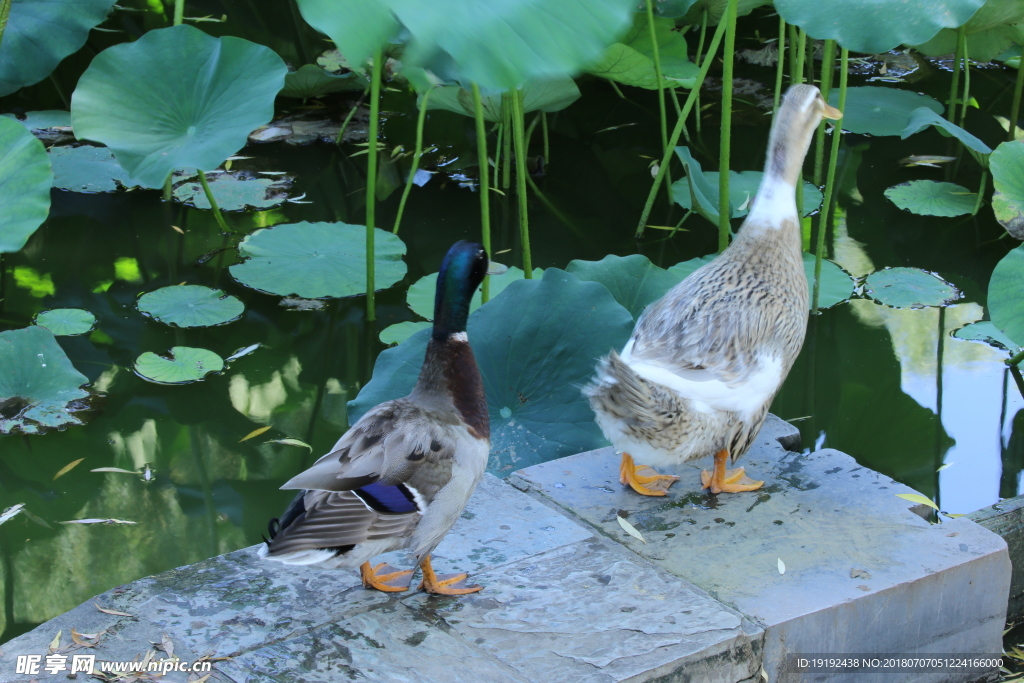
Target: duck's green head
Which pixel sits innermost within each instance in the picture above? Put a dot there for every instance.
(462, 271)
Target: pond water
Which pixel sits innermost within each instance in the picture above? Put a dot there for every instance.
(891, 387)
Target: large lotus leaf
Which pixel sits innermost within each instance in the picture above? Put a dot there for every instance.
(183, 365)
(703, 195)
(176, 98)
(932, 198)
(316, 260)
(399, 332)
(633, 280)
(631, 60)
(25, 180)
(876, 25)
(236, 191)
(357, 27)
(1006, 294)
(922, 117)
(715, 10)
(1007, 166)
(40, 120)
(684, 269)
(742, 188)
(987, 332)
(990, 31)
(909, 288)
(310, 80)
(86, 168)
(420, 297)
(880, 111)
(672, 8)
(549, 96)
(501, 44)
(190, 306)
(836, 284)
(535, 345)
(40, 34)
(66, 321)
(38, 384)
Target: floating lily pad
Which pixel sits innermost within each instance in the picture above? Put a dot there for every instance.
(39, 35)
(190, 306)
(66, 321)
(880, 111)
(633, 280)
(310, 81)
(236, 191)
(399, 332)
(742, 189)
(987, 332)
(176, 98)
(932, 198)
(836, 284)
(549, 96)
(184, 364)
(317, 260)
(909, 288)
(25, 180)
(420, 297)
(1006, 294)
(1007, 166)
(39, 387)
(876, 26)
(86, 168)
(535, 345)
(922, 117)
(630, 61)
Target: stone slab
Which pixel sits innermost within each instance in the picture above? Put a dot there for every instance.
(1006, 518)
(864, 571)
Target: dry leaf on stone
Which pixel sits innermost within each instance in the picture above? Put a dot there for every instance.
(917, 498)
(112, 611)
(67, 468)
(55, 643)
(254, 433)
(629, 528)
(782, 566)
(77, 637)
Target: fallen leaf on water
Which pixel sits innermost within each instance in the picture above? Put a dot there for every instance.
(67, 468)
(782, 566)
(917, 498)
(254, 433)
(629, 528)
(38, 520)
(291, 442)
(113, 469)
(98, 521)
(113, 611)
(55, 643)
(178, 229)
(11, 512)
(948, 464)
(953, 515)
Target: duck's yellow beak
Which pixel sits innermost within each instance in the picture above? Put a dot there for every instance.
(831, 112)
(495, 268)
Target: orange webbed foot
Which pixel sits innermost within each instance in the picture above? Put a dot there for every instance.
(721, 480)
(445, 584)
(392, 580)
(644, 479)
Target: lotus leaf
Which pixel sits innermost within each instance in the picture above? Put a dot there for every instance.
(317, 260)
(1006, 294)
(190, 306)
(716, 10)
(683, 269)
(922, 117)
(633, 280)
(987, 332)
(184, 365)
(931, 198)
(836, 284)
(876, 25)
(357, 27)
(631, 60)
(1007, 166)
(399, 332)
(909, 288)
(993, 29)
(536, 345)
(41, 120)
(236, 191)
(703, 195)
(66, 321)
(880, 111)
(420, 297)
(176, 98)
(310, 81)
(742, 189)
(39, 387)
(549, 96)
(86, 168)
(672, 8)
(25, 180)
(39, 35)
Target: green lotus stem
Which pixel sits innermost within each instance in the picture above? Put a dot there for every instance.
(955, 85)
(826, 207)
(828, 59)
(1015, 108)
(967, 83)
(800, 48)
(778, 64)
(179, 11)
(616, 89)
(168, 189)
(420, 120)
(506, 117)
(348, 118)
(371, 183)
(544, 134)
(529, 131)
(1016, 359)
(661, 86)
(485, 185)
(700, 51)
(981, 192)
(793, 40)
(809, 63)
(5, 12)
(724, 228)
(213, 202)
(518, 125)
(691, 99)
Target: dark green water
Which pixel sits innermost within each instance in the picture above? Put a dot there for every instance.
(890, 387)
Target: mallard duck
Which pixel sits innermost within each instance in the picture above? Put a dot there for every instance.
(401, 476)
(705, 361)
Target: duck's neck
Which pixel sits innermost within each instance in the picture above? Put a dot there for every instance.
(774, 206)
